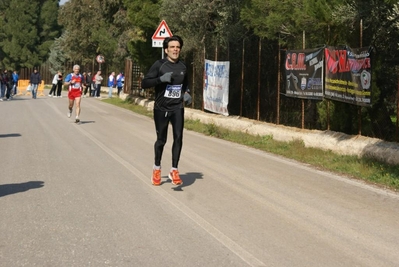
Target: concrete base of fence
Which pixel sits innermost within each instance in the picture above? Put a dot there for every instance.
(340, 143)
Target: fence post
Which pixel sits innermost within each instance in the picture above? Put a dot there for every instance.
(193, 88)
(242, 75)
(397, 111)
(203, 73)
(259, 66)
(303, 101)
(359, 109)
(278, 84)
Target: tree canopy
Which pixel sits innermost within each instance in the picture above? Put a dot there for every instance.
(27, 31)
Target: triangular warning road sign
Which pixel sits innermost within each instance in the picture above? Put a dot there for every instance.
(162, 31)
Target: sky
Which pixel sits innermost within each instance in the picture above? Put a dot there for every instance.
(63, 2)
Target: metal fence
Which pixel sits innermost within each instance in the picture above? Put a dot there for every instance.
(255, 86)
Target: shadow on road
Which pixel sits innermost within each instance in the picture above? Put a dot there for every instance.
(84, 122)
(8, 189)
(10, 135)
(18, 99)
(188, 179)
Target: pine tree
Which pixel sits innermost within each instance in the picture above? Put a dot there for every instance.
(57, 57)
(48, 27)
(27, 31)
(19, 34)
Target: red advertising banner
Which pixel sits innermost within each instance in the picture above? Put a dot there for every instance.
(304, 73)
(348, 75)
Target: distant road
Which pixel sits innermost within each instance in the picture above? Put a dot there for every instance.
(80, 195)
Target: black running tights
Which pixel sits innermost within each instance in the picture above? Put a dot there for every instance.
(162, 119)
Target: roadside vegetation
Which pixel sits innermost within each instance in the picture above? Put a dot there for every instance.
(366, 169)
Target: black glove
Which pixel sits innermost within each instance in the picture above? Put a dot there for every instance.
(166, 78)
(187, 98)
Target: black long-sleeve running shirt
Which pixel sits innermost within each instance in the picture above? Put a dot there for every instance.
(168, 96)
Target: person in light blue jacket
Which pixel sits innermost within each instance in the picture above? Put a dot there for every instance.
(15, 79)
(120, 80)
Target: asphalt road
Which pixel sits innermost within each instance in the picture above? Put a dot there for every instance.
(80, 195)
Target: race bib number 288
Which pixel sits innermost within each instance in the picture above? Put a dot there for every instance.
(173, 91)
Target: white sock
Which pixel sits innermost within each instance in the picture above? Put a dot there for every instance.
(157, 167)
(173, 169)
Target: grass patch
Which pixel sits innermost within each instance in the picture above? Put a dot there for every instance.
(370, 170)
(127, 104)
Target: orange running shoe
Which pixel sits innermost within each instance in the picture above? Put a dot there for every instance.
(174, 176)
(156, 177)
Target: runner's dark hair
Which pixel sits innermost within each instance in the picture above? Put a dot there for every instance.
(172, 38)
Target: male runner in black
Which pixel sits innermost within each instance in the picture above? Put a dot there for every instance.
(169, 77)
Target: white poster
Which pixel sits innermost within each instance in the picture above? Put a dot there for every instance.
(216, 86)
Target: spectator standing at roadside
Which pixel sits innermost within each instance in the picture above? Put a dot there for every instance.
(98, 81)
(4, 84)
(59, 84)
(88, 84)
(84, 82)
(54, 85)
(15, 79)
(9, 85)
(6, 80)
(111, 84)
(120, 80)
(34, 82)
(2, 92)
(93, 82)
